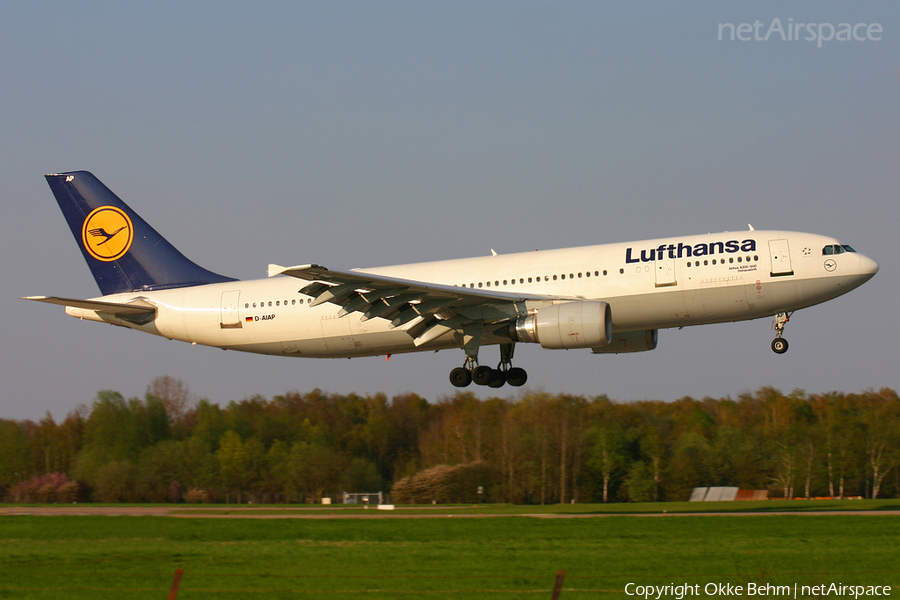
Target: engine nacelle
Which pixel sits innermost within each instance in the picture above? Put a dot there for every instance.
(630, 341)
(567, 326)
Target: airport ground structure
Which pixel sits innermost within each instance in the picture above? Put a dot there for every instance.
(535, 448)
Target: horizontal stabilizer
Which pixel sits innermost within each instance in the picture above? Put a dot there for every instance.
(113, 308)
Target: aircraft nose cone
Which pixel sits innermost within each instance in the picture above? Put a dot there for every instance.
(867, 266)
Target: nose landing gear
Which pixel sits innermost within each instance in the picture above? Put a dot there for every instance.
(779, 344)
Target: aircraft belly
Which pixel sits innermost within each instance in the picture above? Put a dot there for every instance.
(723, 301)
(724, 296)
(375, 343)
(654, 310)
(336, 334)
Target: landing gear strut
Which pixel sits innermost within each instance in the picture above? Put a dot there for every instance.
(484, 375)
(514, 376)
(779, 344)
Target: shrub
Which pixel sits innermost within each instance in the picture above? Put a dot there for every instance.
(49, 488)
(444, 484)
(195, 496)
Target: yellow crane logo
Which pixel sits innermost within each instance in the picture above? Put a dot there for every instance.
(107, 233)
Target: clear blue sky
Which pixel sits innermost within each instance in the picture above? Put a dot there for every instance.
(355, 134)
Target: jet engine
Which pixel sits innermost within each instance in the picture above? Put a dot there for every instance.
(630, 341)
(566, 326)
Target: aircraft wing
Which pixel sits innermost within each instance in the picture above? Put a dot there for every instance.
(431, 310)
(128, 311)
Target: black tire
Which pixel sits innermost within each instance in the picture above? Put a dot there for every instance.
(460, 377)
(516, 377)
(482, 375)
(779, 345)
(499, 379)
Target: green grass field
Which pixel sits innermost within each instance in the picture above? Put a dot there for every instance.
(514, 557)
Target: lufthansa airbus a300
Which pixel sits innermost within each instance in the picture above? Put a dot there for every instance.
(610, 298)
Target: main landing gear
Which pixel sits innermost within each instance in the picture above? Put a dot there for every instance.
(484, 375)
(779, 344)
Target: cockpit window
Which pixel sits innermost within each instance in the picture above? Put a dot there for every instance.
(837, 249)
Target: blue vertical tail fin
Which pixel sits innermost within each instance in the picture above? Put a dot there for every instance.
(124, 253)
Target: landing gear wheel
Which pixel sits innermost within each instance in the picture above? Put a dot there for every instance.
(779, 345)
(499, 379)
(460, 377)
(482, 375)
(516, 377)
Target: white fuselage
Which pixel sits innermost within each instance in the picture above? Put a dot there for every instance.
(649, 285)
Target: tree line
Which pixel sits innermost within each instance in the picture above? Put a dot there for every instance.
(537, 448)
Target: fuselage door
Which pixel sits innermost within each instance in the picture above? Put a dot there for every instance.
(231, 318)
(781, 258)
(665, 270)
